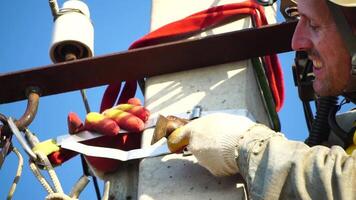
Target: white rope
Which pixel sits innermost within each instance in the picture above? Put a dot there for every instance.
(34, 168)
(58, 196)
(56, 193)
(79, 186)
(51, 172)
(18, 174)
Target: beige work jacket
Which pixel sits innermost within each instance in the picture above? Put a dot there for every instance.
(277, 168)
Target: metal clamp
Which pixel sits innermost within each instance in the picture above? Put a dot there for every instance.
(196, 112)
(21, 139)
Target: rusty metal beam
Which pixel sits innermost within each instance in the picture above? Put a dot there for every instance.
(148, 61)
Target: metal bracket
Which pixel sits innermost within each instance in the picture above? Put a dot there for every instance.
(179, 55)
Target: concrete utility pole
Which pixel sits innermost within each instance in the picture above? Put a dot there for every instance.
(226, 86)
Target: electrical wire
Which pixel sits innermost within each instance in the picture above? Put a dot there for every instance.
(321, 129)
(53, 4)
(84, 162)
(18, 174)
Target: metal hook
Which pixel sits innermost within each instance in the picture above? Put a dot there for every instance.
(33, 95)
(25, 120)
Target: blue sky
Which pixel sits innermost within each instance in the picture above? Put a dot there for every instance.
(25, 35)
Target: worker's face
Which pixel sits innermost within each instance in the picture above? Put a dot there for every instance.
(317, 34)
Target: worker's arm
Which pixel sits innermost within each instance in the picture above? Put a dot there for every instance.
(277, 168)
(273, 167)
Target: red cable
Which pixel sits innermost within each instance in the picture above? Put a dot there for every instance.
(128, 92)
(110, 96)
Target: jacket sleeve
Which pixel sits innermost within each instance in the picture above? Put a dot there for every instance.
(277, 168)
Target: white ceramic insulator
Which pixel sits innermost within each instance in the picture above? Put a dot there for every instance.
(73, 28)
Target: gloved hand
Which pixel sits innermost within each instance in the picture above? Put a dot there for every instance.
(212, 140)
(130, 117)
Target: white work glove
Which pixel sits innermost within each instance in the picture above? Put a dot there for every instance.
(212, 140)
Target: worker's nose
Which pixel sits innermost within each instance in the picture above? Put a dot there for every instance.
(301, 40)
